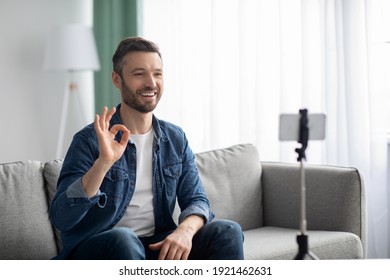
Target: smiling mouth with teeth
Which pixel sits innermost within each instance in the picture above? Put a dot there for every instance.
(148, 94)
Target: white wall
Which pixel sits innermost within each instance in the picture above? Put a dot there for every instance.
(30, 97)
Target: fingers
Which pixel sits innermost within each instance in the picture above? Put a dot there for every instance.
(102, 122)
(109, 115)
(156, 246)
(169, 251)
(177, 255)
(99, 121)
(164, 253)
(97, 125)
(102, 118)
(102, 126)
(172, 253)
(185, 255)
(106, 117)
(126, 133)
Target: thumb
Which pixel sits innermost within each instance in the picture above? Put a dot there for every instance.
(156, 246)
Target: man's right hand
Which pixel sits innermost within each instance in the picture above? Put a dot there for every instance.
(110, 150)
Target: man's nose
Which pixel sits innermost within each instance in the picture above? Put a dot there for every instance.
(150, 81)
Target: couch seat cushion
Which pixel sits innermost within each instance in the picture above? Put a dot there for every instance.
(280, 243)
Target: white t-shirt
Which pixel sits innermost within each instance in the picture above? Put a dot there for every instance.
(139, 215)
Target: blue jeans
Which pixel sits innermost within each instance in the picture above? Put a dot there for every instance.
(217, 240)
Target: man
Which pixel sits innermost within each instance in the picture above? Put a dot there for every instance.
(122, 175)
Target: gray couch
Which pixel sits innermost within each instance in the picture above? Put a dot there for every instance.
(262, 196)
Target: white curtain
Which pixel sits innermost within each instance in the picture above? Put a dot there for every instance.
(232, 66)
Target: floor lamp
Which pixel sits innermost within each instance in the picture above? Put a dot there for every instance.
(70, 48)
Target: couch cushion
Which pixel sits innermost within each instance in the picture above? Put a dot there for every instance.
(231, 178)
(51, 172)
(26, 231)
(280, 243)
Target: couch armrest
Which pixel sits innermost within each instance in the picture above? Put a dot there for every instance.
(335, 198)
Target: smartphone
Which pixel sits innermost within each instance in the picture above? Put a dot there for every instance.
(289, 127)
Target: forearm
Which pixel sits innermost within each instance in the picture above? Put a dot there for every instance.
(93, 179)
(191, 224)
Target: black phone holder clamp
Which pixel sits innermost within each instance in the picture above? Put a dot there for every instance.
(303, 134)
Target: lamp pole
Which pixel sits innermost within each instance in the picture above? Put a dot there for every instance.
(70, 48)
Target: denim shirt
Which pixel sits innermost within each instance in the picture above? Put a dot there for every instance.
(175, 176)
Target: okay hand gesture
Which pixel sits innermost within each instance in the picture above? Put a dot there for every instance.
(110, 149)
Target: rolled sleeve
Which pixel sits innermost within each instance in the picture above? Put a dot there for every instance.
(199, 210)
(76, 190)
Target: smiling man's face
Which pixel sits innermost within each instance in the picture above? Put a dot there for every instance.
(141, 82)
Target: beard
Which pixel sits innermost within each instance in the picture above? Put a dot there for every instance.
(132, 98)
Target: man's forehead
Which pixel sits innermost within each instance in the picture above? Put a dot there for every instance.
(142, 57)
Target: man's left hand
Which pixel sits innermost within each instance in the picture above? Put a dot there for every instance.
(177, 245)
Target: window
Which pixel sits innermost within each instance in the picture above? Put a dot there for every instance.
(231, 67)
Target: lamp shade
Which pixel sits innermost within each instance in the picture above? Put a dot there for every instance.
(71, 47)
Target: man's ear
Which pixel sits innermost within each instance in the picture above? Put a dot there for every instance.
(116, 79)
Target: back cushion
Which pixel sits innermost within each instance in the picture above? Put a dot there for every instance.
(231, 178)
(25, 228)
(51, 172)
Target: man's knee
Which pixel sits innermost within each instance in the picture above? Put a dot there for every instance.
(219, 239)
(227, 227)
(114, 244)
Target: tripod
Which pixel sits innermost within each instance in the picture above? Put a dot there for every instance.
(302, 239)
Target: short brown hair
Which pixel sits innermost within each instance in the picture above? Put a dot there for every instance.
(132, 44)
